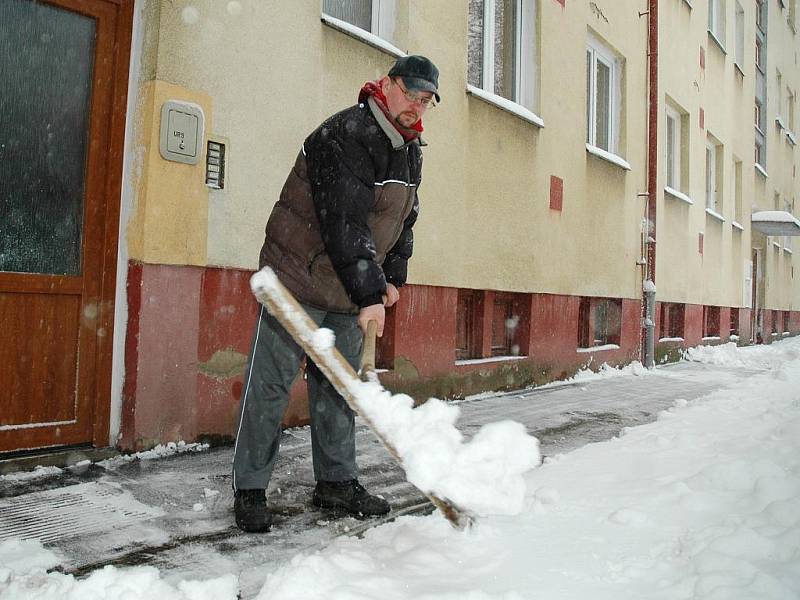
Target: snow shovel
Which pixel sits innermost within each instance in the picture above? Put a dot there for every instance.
(282, 305)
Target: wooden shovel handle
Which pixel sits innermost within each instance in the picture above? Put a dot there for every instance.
(368, 354)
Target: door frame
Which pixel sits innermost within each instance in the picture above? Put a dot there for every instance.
(115, 21)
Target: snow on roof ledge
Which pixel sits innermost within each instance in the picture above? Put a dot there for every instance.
(775, 222)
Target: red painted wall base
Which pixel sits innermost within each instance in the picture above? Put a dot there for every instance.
(189, 334)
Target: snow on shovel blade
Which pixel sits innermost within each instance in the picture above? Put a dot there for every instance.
(319, 347)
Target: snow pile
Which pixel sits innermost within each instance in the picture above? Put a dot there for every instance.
(753, 357)
(160, 451)
(702, 504)
(37, 473)
(23, 574)
(483, 476)
(605, 371)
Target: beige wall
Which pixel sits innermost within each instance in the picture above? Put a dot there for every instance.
(267, 73)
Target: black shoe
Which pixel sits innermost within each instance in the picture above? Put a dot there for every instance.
(252, 514)
(349, 496)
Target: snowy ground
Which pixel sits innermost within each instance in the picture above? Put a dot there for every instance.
(702, 503)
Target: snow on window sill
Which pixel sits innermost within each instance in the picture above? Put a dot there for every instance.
(779, 122)
(712, 338)
(506, 104)
(738, 68)
(679, 195)
(761, 170)
(712, 213)
(737, 225)
(600, 348)
(362, 35)
(671, 339)
(787, 250)
(787, 333)
(608, 156)
(734, 337)
(791, 138)
(480, 361)
(777, 245)
(717, 41)
(688, 3)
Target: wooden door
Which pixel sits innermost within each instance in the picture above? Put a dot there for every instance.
(63, 67)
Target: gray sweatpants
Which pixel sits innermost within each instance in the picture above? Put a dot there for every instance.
(274, 361)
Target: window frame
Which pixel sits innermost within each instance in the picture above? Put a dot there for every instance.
(673, 178)
(381, 34)
(716, 21)
(739, 50)
(525, 56)
(711, 175)
(596, 49)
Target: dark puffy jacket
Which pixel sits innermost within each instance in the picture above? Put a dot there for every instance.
(342, 227)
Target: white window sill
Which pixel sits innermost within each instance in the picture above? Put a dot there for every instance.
(506, 104)
(671, 339)
(679, 195)
(739, 68)
(688, 3)
(737, 225)
(717, 41)
(791, 138)
(779, 122)
(787, 250)
(490, 359)
(603, 348)
(761, 170)
(608, 156)
(712, 338)
(712, 213)
(777, 245)
(362, 35)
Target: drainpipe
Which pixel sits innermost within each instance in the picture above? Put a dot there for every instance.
(649, 272)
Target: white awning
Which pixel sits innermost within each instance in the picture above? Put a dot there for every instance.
(775, 222)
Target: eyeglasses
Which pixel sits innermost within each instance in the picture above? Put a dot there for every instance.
(415, 97)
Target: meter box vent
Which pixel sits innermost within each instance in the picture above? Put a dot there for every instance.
(215, 165)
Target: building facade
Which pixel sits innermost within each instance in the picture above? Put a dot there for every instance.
(539, 209)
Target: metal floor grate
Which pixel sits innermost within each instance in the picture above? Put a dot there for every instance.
(77, 510)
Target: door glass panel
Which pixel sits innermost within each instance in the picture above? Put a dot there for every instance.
(46, 65)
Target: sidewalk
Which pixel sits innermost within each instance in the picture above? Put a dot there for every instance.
(176, 513)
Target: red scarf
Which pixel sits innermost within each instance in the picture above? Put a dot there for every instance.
(373, 89)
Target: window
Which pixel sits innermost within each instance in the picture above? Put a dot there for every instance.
(710, 321)
(468, 324)
(676, 147)
(505, 324)
(501, 49)
(733, 328)
(760, 14)
(599, 322)
(786, 321)
(374, 16)
(787, 206)
(672, 317)
(790, 100)
(738, 217)
(603, 77)
(673, 159)
(776, 324)
(716, 19)
(739, 36)
(712, 184)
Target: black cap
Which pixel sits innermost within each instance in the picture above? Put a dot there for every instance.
(418, 73)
